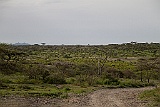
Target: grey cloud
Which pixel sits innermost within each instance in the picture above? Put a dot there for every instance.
(79, 21)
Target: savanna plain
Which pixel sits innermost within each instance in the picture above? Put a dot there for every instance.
(114, 75)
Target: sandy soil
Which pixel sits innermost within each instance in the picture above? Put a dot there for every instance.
(122, 97)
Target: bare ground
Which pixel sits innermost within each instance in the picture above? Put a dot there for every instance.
(122, 97)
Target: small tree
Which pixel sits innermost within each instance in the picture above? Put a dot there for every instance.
(146, 66)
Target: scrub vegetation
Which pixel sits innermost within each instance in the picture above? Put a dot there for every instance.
(59, 71)
(153, 96)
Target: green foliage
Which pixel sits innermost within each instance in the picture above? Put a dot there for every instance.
(122, 65)
(152, 95)
(134, 84)
(24, 87)
(2, 85)
(31, 81)
(111, 81)
(55, 79)
(70, 80)
(66, 89)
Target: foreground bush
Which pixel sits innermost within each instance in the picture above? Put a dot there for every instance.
(152, 95)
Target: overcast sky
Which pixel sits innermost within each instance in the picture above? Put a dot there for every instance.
(79, 21)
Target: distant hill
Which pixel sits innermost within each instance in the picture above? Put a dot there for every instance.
(21, 44)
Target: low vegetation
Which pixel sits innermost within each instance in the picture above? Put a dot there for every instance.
(153, 96)
(59, 71)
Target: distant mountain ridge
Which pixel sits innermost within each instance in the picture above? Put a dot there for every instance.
(21, 44)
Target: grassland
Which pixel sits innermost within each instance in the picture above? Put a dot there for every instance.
(60, 71)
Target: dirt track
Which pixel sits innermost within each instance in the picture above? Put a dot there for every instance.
(126, 97)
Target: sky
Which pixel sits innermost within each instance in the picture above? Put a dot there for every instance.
(79, 21)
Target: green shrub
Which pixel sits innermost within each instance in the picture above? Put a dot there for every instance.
(84, 80)
(2, 85)
(100, 81)
(54, 79)
(66, 89)
(51, 94)
(152, 95)
(112, 81)
(124, 84)
(64, 95)
(25, 87)
(5, 80)
(70, 80)
(134, 84)
(31, 81)
(106, 82)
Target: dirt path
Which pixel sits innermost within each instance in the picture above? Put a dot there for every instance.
(126, 97)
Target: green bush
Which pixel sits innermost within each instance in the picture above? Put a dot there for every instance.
(100, 81)
(125, 84)
(5, 80)
(152, 95)
(54, 79)
(66, 89)
(25, 87)
(70, 80)
(2, 85)
(112, 81)
(31, 81)
(84, 80)
(51, 94)
(45, 94)
(64, 95)
(134, 84)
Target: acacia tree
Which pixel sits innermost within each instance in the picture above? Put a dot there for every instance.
(146, 66)
(10, 59)
(103, 59)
